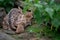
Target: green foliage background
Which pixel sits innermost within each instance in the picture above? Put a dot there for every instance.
(44, 12)
(7, 4)
(46, 16)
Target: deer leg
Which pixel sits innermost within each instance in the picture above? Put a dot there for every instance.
(20, 29)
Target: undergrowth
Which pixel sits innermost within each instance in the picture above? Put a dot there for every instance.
(46, 17)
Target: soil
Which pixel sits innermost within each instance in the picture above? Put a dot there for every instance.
(22, 36)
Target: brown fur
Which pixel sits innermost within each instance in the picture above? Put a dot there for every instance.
(11, 17)
(17, 19)
(22, 21)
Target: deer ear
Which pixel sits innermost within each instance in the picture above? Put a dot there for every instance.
(20, 9)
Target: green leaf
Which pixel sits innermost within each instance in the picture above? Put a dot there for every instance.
(11, 3)
(36, 1)
(50, 11)
(57, 8)
(34, 29)
(38, 5)
(56, 22)
(1, 0)
(52, 2)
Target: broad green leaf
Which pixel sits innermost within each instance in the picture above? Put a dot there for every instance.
(36, 1)
(50, 11)
(38, 5)
(52, 2)
(57, 8)
(56, 23)
(27, 1)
